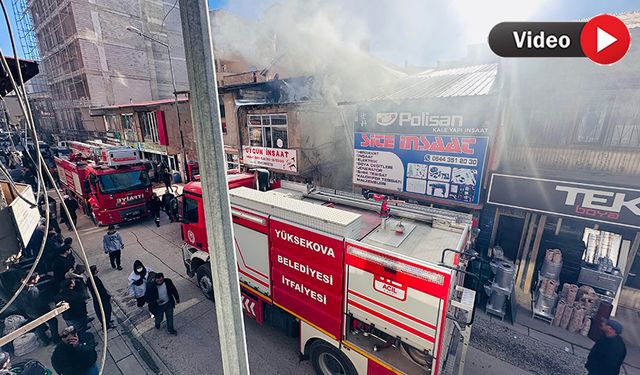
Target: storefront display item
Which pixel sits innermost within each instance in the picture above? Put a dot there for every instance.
(499, 291)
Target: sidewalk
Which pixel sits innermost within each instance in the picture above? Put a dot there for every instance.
(534, 344)
(123, 358)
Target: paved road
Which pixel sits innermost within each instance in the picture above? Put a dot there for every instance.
(195, 350)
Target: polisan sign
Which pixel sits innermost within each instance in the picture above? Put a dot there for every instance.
(605, 204)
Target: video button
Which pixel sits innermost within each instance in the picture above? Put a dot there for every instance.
(605, 39)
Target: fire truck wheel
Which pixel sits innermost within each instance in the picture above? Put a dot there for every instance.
(328, 360)
(205, 282)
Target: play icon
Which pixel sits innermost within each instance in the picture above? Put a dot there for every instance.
(605, 39)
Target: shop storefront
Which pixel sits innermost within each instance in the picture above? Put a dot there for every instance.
(595, 227)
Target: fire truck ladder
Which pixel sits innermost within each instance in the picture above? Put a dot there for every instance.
(406, 210)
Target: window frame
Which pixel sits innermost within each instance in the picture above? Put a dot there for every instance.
(264, 123)
(185, 207)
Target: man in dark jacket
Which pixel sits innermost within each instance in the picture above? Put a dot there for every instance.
(607, 354)
(162, 296)
(76, 315)
(34, 304)
(72, 206)
(63, 262)
(155, 205)
(72, 356)
(104, 296)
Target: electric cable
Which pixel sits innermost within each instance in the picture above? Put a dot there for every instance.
(29, 119)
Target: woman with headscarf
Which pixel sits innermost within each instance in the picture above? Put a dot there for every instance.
(138, 282)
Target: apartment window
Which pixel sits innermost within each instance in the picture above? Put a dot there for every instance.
(77, 119)
(149, 126)
(268, 130)
(111, 123)
(129, 128)
(223, 121)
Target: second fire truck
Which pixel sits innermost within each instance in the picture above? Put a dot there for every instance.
(366, 292)
(109, 182)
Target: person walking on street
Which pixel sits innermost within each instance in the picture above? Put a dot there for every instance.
(72, 206)
(73, 357)
(162, 296)
(166, 199)
(155, 206)
(138, 282)
(76, 315)
(608, 353)
(104, 296)
(173, 208)
(113, 245)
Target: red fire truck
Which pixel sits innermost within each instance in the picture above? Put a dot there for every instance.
(367, 292)
(109, 182)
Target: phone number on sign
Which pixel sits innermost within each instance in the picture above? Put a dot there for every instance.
(457, 160)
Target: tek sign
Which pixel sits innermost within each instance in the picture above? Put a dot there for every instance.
(592, 202)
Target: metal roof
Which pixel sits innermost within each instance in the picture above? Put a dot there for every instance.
(464, 81)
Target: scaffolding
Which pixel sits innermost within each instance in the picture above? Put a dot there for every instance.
(27, 41)
(25, 30)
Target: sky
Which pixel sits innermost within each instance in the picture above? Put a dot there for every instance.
(422, 32)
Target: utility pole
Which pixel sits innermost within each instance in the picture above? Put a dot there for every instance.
(196, 31)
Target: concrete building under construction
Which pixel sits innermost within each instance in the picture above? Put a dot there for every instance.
(93, 59)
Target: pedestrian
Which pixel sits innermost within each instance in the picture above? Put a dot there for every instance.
(154, 205)
(5, 364)
(173, 208)
(74, 356)
(76, 315)
(78, 273)
(113, 245)
(72, 206)
(162, 296)
(607, 354)
(63, 262)
(166, 198)
(166, 177)
(34, 304)
(105, 297)
(138, 282)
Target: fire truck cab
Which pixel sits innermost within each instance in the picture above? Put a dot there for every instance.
(109, 182)
(368, 291)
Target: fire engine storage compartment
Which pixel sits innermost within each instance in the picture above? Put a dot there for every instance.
(388, 315)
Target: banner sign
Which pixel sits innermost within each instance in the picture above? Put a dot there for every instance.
(306, 270)
(605, 204)
(434, 155)
(271, 158)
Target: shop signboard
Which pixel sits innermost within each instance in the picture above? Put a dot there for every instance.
(435, 155)
(271, 158)
(600, 203)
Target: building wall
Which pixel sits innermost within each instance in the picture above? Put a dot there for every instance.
(317, 134)
(92, 60)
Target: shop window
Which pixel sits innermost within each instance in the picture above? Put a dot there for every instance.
(128, 128)
(601, 244)
(268, 130)
(149, 126)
